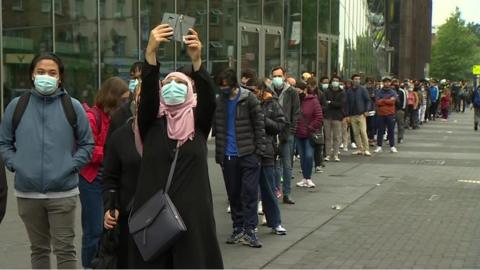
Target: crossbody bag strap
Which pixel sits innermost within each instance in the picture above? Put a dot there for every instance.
(172, 169)
(167, 186)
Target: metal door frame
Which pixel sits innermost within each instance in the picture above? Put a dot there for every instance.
(262, 30)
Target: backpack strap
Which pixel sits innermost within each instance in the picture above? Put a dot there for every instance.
(20, 110)
(69, 111)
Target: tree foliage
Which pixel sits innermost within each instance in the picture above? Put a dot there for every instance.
(456, 49)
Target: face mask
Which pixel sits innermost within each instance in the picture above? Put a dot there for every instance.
(335, 84)
(45, 84)
(132, 85)
(226, 91)
(277, 82)
(324, 86)
(341, 86)
(174, 93)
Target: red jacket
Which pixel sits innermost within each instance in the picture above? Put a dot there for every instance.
(90, 171)
(311, 117)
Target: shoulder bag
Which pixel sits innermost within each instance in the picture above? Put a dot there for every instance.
(157, 225)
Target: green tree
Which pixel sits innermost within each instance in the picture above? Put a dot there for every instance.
(455, 50)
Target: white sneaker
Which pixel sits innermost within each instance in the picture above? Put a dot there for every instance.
(327, 158)
(279, 230)
(341, 145)
(367, 153)
(260, 208)
(310, 183)
(354, 146)
(336, 159)
(393, 149)
(302, 183)
(378, 149)
(345, 149)
(358, 152)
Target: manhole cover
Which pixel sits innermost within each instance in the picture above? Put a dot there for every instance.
(431, 162)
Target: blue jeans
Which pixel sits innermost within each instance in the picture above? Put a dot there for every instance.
(286, 158)
(269, 200)
(92, 217)
(305, 149)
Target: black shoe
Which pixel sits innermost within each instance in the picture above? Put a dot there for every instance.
(236, 236)
(475, 127)
(250, 239)
(288, 200)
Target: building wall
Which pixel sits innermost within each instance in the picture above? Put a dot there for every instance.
(98, 39)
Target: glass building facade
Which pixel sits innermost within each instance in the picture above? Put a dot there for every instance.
(98, 39)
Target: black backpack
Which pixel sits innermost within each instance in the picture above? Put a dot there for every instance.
(22, 106)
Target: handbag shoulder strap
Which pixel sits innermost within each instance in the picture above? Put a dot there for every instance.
(172, 169)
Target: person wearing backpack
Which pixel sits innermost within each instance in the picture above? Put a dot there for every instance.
(45, 139)
(112, 95)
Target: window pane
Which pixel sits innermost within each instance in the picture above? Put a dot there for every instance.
(273, 12)
(309, 36)
(324, 16)
(250, 50)
(118, 39)
(335, 16)
(322, 57)
(151, 15)
(198, 10)
(223, 33)
(76, 44)
(251, 11)
(273, 52)
(22, 40)
(294, 36)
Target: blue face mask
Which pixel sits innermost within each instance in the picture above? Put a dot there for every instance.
(132, 85)
(174, 93)
(45, 84)
(277, 82)
(226, 91)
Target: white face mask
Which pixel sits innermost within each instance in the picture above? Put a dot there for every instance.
(324, 86)
(335, 84)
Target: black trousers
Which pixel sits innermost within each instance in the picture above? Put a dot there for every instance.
(318, 154)
(241, 176)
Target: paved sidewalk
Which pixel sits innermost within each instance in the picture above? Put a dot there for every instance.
(399, 210)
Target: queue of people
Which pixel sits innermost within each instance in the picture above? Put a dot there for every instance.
(120, 153)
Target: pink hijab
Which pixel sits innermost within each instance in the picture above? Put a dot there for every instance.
(180, 118)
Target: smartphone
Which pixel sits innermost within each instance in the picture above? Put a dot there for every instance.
(180, 24)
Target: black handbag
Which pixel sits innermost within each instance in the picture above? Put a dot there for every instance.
(157, 225)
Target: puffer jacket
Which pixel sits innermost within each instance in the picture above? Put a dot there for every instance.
(311, 118)
(275, 123)
(249, 126)
(90, 171)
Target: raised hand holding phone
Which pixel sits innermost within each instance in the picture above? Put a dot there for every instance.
(159, 34)
(194, 48)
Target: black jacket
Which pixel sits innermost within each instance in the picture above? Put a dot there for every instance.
(190, 190)
(357, 101)
(274, 124)
(290, 102)
(3, 190)
(249, 126)
(334, 109)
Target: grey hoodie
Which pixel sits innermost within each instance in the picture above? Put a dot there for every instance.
(44, 154)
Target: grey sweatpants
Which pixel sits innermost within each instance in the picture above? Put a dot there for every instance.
(50, 222)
